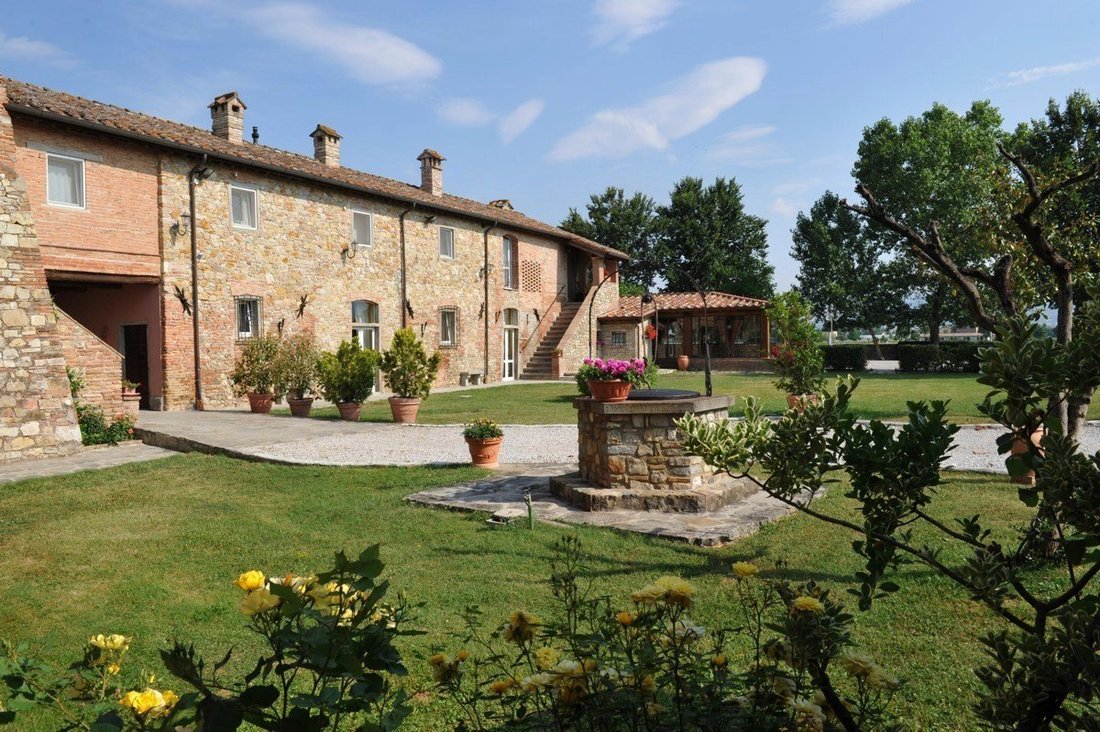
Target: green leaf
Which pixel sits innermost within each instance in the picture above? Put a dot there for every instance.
(1029, 496)
(259, 696)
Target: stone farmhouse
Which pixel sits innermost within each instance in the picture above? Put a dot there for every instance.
(137, 246)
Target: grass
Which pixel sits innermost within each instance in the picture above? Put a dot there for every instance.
(150, 550)
(880, 396)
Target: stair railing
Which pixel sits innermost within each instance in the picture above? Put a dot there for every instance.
(545, 320)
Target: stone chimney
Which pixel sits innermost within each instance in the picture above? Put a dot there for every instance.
(227, 116)
(326, 145)
(431, 171)
(502, 203)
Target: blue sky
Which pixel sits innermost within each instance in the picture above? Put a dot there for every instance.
(547, 102)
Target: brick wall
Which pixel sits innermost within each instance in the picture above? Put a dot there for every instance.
(99, 365)
(36, 412)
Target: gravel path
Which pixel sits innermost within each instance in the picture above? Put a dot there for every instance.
(389, 444)
(392, 444)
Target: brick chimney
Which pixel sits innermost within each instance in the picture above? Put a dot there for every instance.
(431, 171)
(326, 145)
(227, 116)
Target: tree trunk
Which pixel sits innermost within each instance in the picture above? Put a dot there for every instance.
(935, 313)
(874, 342)
(1072, 417)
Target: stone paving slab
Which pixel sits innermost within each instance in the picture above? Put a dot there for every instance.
(89, 458)
(505, 493)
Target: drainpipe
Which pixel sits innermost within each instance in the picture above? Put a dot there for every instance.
(192, 181)
(485, 278)
(404, 277)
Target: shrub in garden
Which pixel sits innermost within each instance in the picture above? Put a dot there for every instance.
(256, 369)
(1042, 670)
(296, 366)
(796, 358)
(329, 663)
(408, 369)
(919, 357)
(845, 357)
(95, 429)
(643, 664)
(347, 375)
(961, 357)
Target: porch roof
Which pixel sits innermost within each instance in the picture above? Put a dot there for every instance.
(631, 307)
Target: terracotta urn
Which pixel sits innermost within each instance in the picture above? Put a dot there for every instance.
(798, 402)
(1019, 447)
(260, 403)
(682, 362)
(349, 411)
(131, 403)
(609, 391)
(404, 409)
(300, 407)
(485, 452)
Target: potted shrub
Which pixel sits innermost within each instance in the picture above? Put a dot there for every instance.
(797, 358)
(483, 437)
(254, 373)
(409, 372)
(296, 372)
(611, 380)
(347, 377)
(131, 398)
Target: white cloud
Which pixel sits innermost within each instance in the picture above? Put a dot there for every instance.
(370, 55)
(851, 12)
(21, 47)
(1035, 73)
(621, 22)
(691, 102)
(465, 112)
(783, 208)
(748, 146)
(513, 124)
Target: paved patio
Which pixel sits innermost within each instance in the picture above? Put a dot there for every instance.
(90, 458)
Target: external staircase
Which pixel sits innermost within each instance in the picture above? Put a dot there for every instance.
(539, 365)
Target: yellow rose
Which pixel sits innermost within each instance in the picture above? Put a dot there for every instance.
(149, 703)
(807, 604)
(546, 657)
(880, 678)
(258, 601)
(116, 642)
(857, 664)
(536, 682)
(648, 595)
(720, 660)
(462, 656)
(502, 685)
(113, 669)
(251, 580)
(744, 570)
(521, 627)
(676, 591)
(438, 659)
(625, 618)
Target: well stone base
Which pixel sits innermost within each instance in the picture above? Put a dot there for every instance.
(717, 493)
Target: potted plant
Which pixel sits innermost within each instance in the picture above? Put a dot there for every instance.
(409, 372)
(483, 437)
(797, 358)
(296, 372)
(347, 377)
(131, 398)
(611, 380)
(255, 371)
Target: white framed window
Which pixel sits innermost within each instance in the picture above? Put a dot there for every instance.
(446, 242)
(64, 181)
(510, 256)
(364, 323)
(362, 228)
(618, 337)
(448, 327)
(242, 205)
(248, 318)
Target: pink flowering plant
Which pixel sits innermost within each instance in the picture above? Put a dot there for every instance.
(611, 369)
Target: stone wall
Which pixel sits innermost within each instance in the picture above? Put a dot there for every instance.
(99, 365)
(37, 418)
(579, 341)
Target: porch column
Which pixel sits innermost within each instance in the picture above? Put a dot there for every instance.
(766, 329)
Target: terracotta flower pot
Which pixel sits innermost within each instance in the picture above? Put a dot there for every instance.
(682, 362)
(131, 403)
(798, 402)
(300, 407)
(1019, 447)
(349, 411)
(609, 391)
(404, 409)
(260, 403)
(485, 453)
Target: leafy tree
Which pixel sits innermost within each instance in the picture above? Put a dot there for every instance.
(1007, 225)
(708, 242)
(847, 273)
(624, 223)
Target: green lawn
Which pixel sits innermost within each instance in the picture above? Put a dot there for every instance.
(880, 396)
(150, 550)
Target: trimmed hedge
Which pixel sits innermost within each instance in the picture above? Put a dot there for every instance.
(939, 358)
(849, 357)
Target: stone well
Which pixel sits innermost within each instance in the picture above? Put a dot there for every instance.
(631, 457)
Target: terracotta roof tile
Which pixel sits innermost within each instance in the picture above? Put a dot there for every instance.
(630, 306)
(60, 106)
